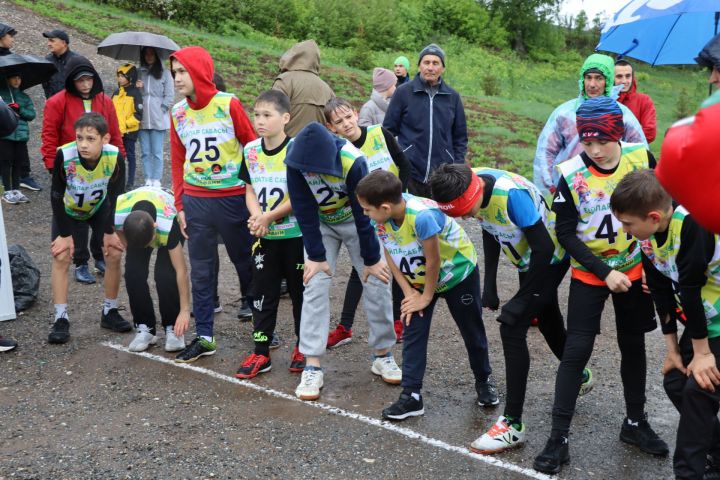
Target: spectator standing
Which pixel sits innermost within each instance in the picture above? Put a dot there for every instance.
(158, 94)
(373, 112)
(640, 104)
(7, 39)
(402, 69)
(300, 80)
(428, 118)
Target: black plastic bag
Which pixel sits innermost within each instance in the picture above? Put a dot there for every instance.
(25, 277)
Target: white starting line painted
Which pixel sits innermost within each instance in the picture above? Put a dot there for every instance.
(406, 432)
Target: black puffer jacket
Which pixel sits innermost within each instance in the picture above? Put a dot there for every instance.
(709, 56)
(57, 81)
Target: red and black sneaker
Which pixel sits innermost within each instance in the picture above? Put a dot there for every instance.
(297, 361)
(254, 365)
(340, 336)
(399, 327)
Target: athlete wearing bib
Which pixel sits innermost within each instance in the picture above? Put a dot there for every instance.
(605, 262)
(206, 141)
(322, 173)
(171, 277)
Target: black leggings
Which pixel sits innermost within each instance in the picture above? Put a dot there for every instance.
(13, 155)
(634, 317)
(546, 309)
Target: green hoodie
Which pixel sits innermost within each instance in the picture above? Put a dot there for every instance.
(603, 63)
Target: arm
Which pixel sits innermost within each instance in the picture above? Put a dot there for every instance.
(401, 162)
(177, 258)
(8, 119)
(244, 130)
(306, 211)
(491, 256)
(550, 143)
(57, 192)
(661, 290)
(648, 120)
(138, 104)
(459, 131)
(369, 245)
(566, 229)
(365, 118)
(52, 122)
(116, 187)
(416, 302)
(112, 121)
(168, 92)
(177, 161)
(27, 109)
(633, 129)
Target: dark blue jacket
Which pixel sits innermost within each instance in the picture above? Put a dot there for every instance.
(430, 130)
(315, 150)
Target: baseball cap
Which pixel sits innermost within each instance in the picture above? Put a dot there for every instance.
(57, 33)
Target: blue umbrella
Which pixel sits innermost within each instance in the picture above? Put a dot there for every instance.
(661, 32)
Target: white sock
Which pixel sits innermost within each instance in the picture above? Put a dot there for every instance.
(109, 304)
(60, 310)
(209, 339)
(415, 395)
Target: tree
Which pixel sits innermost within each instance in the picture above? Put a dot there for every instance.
(526, 21)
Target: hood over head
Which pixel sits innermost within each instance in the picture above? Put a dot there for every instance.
(605, 65)
(709, 56)
(199, 64)
(315, 150)
(129, 71)
(79, 64)
(303, 56)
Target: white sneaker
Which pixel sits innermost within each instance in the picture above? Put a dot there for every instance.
(387, 369)
(173, 343)
(156, 183)
(20, 197)
(148, 183)
(310, 384)
(143, 339)
(9, 197)
(501, 436)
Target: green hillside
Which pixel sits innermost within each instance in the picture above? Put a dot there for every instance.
(503, 128)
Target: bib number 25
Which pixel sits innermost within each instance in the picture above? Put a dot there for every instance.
(210, 153)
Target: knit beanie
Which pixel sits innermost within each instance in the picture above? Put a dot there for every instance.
(383, 79)
(432, 49)
(402, 60)
(600, 118)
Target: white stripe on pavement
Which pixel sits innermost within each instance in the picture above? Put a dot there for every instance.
(406, 432)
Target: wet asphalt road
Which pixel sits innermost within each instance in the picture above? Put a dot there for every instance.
(85, 410)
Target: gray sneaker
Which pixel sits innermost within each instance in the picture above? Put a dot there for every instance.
(9, 197)
(143, 339)
(20, 197)
(173, 343)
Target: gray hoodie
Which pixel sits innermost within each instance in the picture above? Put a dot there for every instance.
(158, 98)
(373, 112)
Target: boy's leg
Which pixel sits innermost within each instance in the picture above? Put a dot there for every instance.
(21, 167)
(293, 274)
(377, 298)
(81, 234)
(238, 241)
(414, 349)
(465, 306)
(201, 215)
(353, 293)
(267, 275)
(7, 164)
(585, 306)
(697, 426)
(137, 265)
(129, 141)
(58, 275)
(167, 288)
(550, 319)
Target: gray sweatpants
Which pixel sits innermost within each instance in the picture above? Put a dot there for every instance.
(377, 297)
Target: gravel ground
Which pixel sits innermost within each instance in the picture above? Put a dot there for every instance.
(83, 410)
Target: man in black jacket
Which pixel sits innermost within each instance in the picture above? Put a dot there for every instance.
(60, 53)
(428, 118)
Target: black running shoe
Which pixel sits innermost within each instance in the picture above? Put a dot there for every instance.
(642, 435)
(198, 348)
(487, 393)
(7, 344)
(406, 406)
(244, 313)
(60, 331)
(555, 454)
(114, 321)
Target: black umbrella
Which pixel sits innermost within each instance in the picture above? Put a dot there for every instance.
(127, 45)
(33, 70)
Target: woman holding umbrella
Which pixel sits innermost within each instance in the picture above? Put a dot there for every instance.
(158, 93)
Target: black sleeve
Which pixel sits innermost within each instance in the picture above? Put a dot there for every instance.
(174, 237)
(531, 282)
(244, 173)
(401, 162)
(566, 222)
(57, 192)
(697, 246)
(651, 160)
(661, 290)
(116, 187)
(491, 255)
(138, 102)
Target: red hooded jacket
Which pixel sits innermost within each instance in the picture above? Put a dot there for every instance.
(199, 64)
(643, 108)
(688, 167)
(66, 106)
